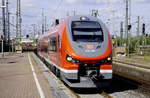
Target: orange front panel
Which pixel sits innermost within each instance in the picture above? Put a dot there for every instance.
(68, 48)
(65, 64)
(106, 66)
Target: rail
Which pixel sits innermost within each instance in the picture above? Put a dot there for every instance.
(133, 63)
(132, 70)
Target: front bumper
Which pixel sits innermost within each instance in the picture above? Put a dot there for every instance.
(73, 80)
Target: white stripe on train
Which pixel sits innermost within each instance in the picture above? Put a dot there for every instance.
(71, 71)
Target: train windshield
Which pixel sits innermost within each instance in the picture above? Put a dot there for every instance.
(87, 31)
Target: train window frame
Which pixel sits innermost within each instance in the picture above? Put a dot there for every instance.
(97, 26)
(53, 44)
(59, 42)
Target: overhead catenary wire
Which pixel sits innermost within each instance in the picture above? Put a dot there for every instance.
(58, 6)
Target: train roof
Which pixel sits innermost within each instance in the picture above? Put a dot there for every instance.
(70, 19)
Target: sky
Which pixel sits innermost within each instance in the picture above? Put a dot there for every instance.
(111, 12)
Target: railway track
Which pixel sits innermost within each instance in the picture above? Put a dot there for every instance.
(91, 93)
(138, 88)
(117, 91)
(136, 71)
(121, 88)
(133, 63)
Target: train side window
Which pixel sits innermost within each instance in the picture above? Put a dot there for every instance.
(53, 44)
(59, 44)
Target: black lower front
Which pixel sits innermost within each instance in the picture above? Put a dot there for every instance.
(89, 70)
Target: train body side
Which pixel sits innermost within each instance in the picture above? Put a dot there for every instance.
(78, 63)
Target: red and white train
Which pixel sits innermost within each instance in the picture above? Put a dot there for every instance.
(78, 50)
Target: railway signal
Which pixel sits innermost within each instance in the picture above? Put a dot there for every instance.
(129, 27)
(143, 28)
(56, 21)
(27, 36)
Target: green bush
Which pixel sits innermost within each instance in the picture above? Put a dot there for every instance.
(134, 42)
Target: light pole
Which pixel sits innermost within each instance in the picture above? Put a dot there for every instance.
(126, 27)
(2, 46)
(34, 30)
(3, 18)
(18, 21)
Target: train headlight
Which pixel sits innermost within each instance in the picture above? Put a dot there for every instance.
(83, 18)
(69, 58)
(109, 58)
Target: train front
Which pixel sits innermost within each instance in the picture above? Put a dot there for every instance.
(87, 53)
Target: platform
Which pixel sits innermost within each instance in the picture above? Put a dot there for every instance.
(136, 68)
(19, 75)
